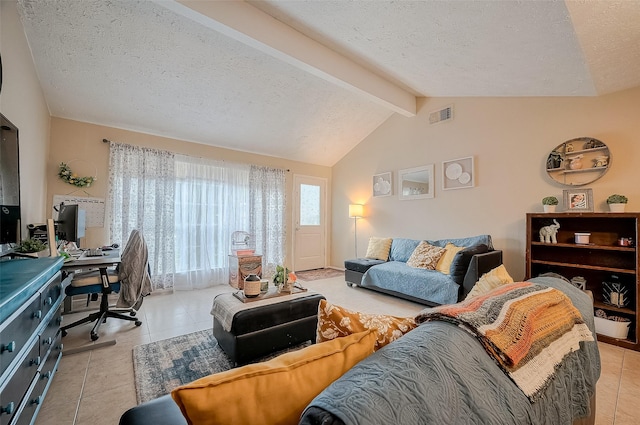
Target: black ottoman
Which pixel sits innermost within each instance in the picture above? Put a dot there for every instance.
(263, 327)
(354, 269)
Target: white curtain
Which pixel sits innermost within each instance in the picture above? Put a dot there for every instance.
(212, 201)
(267, 209)
(187, 209)
(141, 196)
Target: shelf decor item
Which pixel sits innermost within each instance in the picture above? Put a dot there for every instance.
(617, 203)
(578, 200)
(549, 203)
(548, 233)
(615, 293)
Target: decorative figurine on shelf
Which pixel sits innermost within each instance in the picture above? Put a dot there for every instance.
(548, 233)
(579, 282)
(615, 292)
(554, 160)
(600, 161)
(575, 162)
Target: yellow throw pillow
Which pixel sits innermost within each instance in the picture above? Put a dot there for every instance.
(444, 263)
(425, 256)
(334, 322)
(272, 392)
(379, 248)
(490, 280)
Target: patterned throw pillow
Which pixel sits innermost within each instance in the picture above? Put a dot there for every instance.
(489, 281)
(335, 322)
(425, 256)
(379, 248)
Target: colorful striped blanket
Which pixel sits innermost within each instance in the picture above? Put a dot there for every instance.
(528, 329)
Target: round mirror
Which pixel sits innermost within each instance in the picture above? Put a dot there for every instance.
(578, 161)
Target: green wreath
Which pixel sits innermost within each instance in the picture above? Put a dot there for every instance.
(70, 177)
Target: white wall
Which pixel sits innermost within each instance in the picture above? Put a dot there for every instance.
(22, 102)
(510, 139)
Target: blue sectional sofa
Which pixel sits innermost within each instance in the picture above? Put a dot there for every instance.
(430, 287)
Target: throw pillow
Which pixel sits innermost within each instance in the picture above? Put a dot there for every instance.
(401, 249)
(271, 392)
(379, 248)
(489, 281)
(425, 256)
(461, 262)
(335, 322)
(444, 264)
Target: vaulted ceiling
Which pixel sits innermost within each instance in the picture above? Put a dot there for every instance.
(308, 80)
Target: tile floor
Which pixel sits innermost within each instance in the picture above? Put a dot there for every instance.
(96, 386)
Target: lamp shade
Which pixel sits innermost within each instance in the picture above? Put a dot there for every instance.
(356, 210)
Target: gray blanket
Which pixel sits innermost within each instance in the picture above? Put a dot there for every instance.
(133, 272)
(440, 374)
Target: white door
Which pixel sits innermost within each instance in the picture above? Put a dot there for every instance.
(309, 220)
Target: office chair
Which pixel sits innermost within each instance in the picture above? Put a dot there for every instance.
(130, 279)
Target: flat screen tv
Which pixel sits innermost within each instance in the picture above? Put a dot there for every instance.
(9, 186)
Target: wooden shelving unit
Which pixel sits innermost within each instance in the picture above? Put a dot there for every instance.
(596, 261)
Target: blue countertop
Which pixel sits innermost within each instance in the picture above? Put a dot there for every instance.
(20, 278)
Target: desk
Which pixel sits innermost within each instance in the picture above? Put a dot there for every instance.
(108, 259)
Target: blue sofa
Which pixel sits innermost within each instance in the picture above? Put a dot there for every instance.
(430, 287)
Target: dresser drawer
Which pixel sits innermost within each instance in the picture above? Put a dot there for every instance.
(17, 330)
(48, 334)
(19, 382)
(51, 293)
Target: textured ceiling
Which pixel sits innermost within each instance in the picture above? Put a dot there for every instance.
(312, 83)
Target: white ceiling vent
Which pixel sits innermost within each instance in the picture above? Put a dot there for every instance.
(442, 115)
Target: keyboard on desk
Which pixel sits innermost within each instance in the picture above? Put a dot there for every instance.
(93, 252)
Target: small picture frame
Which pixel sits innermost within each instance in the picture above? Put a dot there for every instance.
(383, 184)
(458, 173)
(578, 200)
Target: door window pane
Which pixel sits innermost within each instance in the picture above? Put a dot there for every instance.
(309, 205)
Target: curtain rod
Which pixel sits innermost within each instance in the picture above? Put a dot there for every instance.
(109, 141)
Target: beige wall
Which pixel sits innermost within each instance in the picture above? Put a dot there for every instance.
(80, 145)
(510, 139)
(22, 102)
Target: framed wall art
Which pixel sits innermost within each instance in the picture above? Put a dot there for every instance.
(458, 173)
(578, 200)
(383, 184)
(416, 183)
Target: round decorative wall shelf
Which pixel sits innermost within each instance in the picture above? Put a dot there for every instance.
(578, 161)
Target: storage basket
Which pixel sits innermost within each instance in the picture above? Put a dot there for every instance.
(614, 329)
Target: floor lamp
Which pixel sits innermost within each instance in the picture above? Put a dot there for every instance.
(355, 212)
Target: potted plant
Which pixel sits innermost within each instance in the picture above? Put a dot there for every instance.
(32, 247)
(284, 279)
(549, 203)
(617, 202)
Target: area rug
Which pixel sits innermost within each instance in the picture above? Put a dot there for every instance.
(161, 366)
(317, 274)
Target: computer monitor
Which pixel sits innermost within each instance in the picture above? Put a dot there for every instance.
(71, 223)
